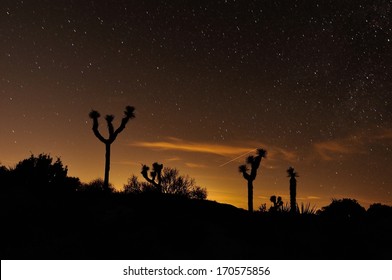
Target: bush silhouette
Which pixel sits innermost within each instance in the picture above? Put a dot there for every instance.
(133, 186)
(165, 180)
(4, 177)
(42, 173)
(343, 209)
(96, 186)
(379, 211)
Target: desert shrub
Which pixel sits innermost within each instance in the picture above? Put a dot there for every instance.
(171, 183)
(343, 209)
(96, 186)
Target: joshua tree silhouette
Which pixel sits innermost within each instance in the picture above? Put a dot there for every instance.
(94, 115)
(254, 162)
(293, 189)
(156, 175)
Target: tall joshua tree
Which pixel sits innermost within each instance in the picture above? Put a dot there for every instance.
(293, 189)
(254, 162)
(156, 175)
(94, 115)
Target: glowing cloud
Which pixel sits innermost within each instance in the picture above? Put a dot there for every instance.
(187, 146)
(195, 165)
(231, 152)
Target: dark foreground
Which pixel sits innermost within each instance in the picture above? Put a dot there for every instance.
(119, 226)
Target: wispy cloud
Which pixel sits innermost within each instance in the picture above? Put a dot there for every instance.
(350, 145)
(287, 155)
(385, 134)
(195, 147)
(195, 165)
(231, 152)
(329, 150)
(313, 197)
(173, 159)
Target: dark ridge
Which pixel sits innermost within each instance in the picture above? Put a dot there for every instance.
(157, 226)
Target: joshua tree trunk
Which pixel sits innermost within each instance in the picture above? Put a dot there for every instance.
(107, 168)
(293, 195)
(250, 195)
(293, 189)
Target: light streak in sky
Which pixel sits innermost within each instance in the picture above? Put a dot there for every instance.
(226, 163)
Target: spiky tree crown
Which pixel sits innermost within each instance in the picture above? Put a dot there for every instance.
(109, 118)
(94, 114)
(262, 153)
(254, 162)
(129, 112)
(291, 172)
(250, 159)
(145, 168)
(157, 167)
(243, 168)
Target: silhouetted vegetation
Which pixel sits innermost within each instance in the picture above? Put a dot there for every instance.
(94, 115)
(47, 215)
(254, 162)
(156, 175)
(306, 209)
(293, 189)
(343, 210)
(166, 181)
(40, 174)
(380, 211)
(96, 186)
(277, 204)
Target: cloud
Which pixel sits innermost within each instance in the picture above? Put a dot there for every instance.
(329, 150)
(351, 145)
(313, 197)
(195, 165)
(287, 155)
(385, 134)
(232, 152)
(173, 159)
(195, 147)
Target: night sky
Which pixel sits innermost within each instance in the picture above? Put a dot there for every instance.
(309, 81)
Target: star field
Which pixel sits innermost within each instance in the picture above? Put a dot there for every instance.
(310, 81)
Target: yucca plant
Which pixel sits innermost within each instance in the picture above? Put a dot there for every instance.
(94, 115)
(306, 209)
(254, 162)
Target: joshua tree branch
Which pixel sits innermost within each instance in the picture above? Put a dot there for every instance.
(109, 120)
(155, 174)
(145, 176)
(96, 132)
(124, 121)
(246, 176)
(128, 114)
